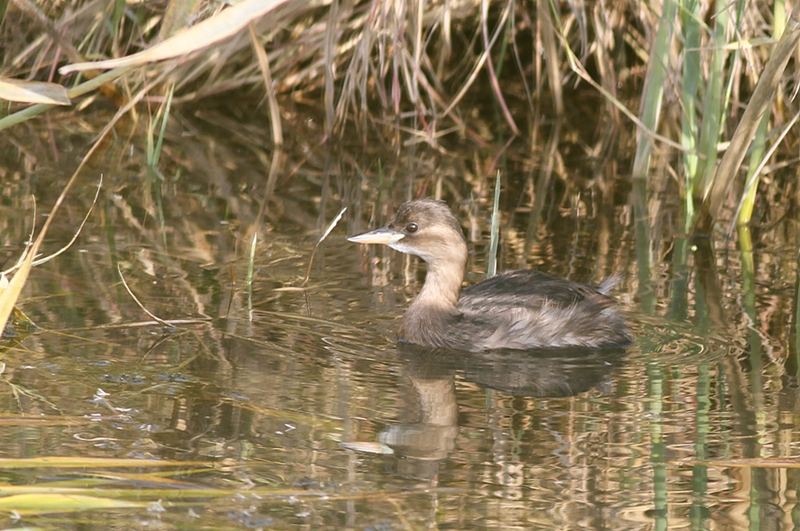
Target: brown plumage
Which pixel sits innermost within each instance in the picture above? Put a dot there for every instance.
(513, 310)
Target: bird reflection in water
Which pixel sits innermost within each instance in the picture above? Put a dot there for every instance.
(419, 447)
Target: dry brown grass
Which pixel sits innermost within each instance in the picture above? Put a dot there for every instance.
(414, 71)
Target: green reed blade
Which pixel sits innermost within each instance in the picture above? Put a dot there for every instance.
(690, 78)
(116, 17)
(714, 102)
(160, 122)
(654, 88)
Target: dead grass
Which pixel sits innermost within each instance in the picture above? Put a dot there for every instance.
(416, 71)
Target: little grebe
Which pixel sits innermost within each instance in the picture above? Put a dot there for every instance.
(513, 310)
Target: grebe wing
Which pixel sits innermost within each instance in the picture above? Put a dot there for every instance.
(531, 290)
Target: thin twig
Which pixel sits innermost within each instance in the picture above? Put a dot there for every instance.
(159, 320)
(324, 235)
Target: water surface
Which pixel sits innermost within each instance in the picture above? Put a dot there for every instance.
(289, 405)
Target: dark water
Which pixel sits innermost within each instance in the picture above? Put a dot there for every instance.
(288, 406)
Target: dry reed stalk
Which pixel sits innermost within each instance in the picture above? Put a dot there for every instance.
(546, 30)
(274, 108)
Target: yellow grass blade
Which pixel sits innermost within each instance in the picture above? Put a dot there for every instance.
(88, 462)
(27, 504)
(9, 296)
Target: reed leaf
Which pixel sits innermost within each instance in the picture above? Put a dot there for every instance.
(755, 171)
(84, 88)
(691, 75)
(269, 86)
(745, 131)
(155, 144)
(757, 158)
(752, 178)
(714, 102)
(33, 92)
(654, 88)
(210, 31)
(548, 35)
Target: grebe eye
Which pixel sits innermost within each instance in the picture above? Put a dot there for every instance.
(411, 228)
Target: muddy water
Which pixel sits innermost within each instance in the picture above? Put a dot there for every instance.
(287, 404)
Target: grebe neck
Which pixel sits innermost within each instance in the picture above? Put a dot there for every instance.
(442, 285)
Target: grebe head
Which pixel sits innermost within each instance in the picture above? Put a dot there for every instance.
(425, 228)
